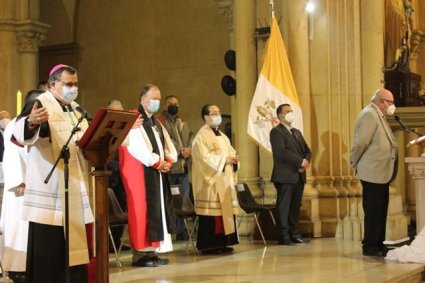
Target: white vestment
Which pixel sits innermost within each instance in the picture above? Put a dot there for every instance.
(140, 147)
(415, 252)
(44, 203)
(14, 229)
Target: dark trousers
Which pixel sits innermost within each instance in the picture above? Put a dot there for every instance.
(46, 256)
(183, 180)
(375, 207)
(288, 204)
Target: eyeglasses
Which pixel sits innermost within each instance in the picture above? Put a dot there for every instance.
(389, 101)
(69, 84)
(214, 114)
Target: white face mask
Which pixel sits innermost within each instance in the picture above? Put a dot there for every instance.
(216, 121)
(391, 109)
(69, 94)
(290, 117)
(3, 123)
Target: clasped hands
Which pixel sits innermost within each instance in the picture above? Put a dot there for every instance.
(232, 159)
(164, 166)
(304, 166)
(185, 152)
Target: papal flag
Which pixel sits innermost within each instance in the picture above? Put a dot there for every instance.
(275, 86)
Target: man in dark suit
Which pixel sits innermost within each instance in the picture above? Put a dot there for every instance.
(291, 157)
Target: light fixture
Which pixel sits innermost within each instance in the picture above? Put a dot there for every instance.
(309, 8)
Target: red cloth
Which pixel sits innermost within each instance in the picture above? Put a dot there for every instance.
(133, 179)
(90, 244)
(219, 226)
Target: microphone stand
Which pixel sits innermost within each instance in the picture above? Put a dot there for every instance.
(64, 154)
(409, 130)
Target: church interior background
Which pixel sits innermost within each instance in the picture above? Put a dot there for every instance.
(339, 55)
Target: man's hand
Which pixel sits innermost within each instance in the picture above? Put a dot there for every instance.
(20, 190)
(138, 123)
(185, 152)
(232, 159)
(304, 166)
(164, 167)
(38, 115)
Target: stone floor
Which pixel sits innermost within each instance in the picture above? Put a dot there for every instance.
(323, 260)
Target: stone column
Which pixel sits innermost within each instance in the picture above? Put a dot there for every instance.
(29, 35)
(417, 170)
(296, 40)
(20, 35)
(397, 220)
(372, 26)
(410, 194)
(244, 21)
(240, 16)
(9, 66)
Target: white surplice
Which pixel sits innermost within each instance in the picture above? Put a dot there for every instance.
(140, 147)
(13, 227)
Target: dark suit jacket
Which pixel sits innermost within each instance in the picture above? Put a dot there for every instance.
(288, 154)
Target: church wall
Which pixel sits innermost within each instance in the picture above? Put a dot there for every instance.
(124, 45)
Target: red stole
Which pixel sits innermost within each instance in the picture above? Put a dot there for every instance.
(133, 179)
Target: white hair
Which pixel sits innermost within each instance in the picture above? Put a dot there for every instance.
(376, 96)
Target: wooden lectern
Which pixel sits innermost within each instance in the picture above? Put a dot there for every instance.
(105, 134)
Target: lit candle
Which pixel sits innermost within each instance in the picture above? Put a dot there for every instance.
(18, 102)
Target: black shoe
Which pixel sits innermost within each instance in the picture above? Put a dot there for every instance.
(160, 261)
(17, 277)
(215, 251)
(300, 240)
(227, 250)
(145, 262)
(374, 251)
(286, 242)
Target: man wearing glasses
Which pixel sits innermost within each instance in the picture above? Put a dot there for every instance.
(374, 159)
(215, 163)
(44, 126)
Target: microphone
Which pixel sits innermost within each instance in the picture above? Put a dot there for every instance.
(405, 128)
(82, 111)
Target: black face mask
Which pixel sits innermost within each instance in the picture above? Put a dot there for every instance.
(172, 109)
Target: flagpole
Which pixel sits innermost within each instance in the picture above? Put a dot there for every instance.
(272, 7)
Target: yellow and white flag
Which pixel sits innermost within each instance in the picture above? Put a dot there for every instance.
(275, 86)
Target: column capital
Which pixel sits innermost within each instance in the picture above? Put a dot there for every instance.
(225, 7)
(29, 34)
(416, 167)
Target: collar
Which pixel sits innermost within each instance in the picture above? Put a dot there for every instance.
(215, 130)
(142, 110)
(286, 126)
(379, 110)
(166, 114)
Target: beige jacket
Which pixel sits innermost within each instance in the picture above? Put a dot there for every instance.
(374, 150)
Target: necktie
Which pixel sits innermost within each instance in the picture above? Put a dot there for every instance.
(294, 134)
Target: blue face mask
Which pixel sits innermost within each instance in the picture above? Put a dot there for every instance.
(216, 121)
(154, 105)
(69, 94)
